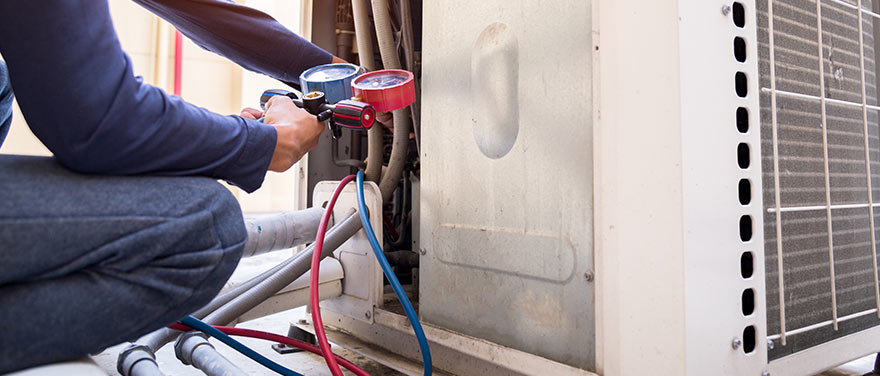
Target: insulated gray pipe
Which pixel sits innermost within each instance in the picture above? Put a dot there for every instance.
(146, 369)
(159, 338)
(408, 42)
(399, 146)
(362, 29)
(361, 14)
(385, 35)
(281, 231)
(300, 264)
(406, 36)
(194, 349)
(390, 59)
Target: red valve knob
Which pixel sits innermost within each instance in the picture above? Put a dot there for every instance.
(354, 114)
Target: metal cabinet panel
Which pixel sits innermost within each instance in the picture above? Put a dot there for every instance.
(506, 193)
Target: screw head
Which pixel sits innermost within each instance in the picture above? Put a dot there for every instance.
(765, 373)
(368, 314)
(589, 276)
(725, 9)
(770, 344)
(302, 321)
(736, 343)
(423, 251)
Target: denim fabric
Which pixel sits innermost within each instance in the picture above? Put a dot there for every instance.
(5, 102)
(87, 262)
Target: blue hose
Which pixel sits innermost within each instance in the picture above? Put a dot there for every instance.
(395, 284)
(203, 327)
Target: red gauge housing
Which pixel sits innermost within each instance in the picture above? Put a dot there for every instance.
(386, 90)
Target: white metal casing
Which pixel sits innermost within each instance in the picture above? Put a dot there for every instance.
(668, 247)
(362, 287)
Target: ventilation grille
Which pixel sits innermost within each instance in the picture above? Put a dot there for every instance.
(821, 214)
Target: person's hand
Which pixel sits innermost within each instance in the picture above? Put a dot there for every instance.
(298, 131)
(386, 119)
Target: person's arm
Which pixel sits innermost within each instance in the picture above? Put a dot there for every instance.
(242, 34)
(77, 92)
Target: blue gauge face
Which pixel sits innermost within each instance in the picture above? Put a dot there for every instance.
(379, 81)
(330, 73)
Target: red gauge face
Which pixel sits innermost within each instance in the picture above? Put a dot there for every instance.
(383, 80)
(386, 90)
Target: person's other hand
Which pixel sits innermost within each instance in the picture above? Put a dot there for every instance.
(386, 119)
(298, 131)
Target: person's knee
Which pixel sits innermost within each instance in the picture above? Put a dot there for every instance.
(230, 237)
(227, 214)
(188, 256)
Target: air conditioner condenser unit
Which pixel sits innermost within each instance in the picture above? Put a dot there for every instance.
(662, 187)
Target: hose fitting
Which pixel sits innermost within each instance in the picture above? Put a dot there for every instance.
(140, 356)
(187, 343)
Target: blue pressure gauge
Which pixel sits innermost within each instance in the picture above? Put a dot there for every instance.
(334, 80)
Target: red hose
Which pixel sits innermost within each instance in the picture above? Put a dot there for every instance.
(313, 281)
(178, 62)
(277, 338)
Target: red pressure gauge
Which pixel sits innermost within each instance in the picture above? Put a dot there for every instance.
(386, 90)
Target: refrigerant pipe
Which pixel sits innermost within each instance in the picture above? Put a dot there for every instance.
(361, 14)
(408, 42)
(388, 50)
(385, 34)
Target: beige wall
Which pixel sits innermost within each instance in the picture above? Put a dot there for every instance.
(209, 81)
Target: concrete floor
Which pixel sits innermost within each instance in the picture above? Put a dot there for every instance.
(857, 367)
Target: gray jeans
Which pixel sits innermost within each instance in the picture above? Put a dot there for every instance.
(87, 262)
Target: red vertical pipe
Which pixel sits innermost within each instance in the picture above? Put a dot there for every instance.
(178, 61)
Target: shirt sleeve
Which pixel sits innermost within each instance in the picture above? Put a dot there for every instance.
(77, 92)
(244, 35)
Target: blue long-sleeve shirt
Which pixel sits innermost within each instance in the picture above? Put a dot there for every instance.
(77, 92)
